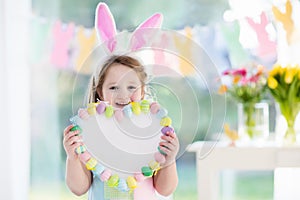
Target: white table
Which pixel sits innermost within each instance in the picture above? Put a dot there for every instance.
(213, 157)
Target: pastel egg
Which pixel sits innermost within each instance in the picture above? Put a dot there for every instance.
(122, 186)
(91, 108)
(131, 182)
(154, 165)
(81, 149)
(154, 108)
(83, 114)
(145, 106)
(105, 175)
(75, 119)
(101, 107)
(91, 163)
(161, 151)
(109, 111)
(113, 181)
(127, 111)
(76, 128)
(136, 108)
(161, 113)
(85, 156)
(98, 170)
(147, 171)
(139, 177)
(167, 129)
(166, 121)
(119, 115)
(159, 158)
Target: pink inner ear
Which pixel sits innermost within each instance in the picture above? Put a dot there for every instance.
(105, 25)
(140, 35)
(154, 21)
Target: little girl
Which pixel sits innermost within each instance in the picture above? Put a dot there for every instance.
(120, 82)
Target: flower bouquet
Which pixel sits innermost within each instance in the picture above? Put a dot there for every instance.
(284, 85)
(247, 87)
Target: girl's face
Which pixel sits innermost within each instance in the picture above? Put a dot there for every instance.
(121, 86)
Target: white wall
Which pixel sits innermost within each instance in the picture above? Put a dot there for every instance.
(14, 99)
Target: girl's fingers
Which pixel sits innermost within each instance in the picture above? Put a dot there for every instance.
(67, 129)
(170, 139)
(74, 139)
(171, 134)
(70, 135)
(167, 145)
(74, 146)
(165, 149)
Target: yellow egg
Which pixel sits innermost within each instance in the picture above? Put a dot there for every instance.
(131, 182)
(136, 108)
(91, 108)
(166, 121)
(91, 164)
(154, 165)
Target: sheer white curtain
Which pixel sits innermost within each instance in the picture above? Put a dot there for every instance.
(14, 99)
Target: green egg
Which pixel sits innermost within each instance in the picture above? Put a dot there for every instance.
(113, 181)
(109, 111)
(145, 106)
(76, 128)
(147, 171)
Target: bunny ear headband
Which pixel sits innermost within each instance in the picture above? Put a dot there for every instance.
(106, 29)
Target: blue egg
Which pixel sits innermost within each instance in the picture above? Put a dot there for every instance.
(75, 119)
(98, 170)
(123, 185)
(161, 113)
(128, 111)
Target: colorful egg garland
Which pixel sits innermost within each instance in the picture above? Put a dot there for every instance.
(134, 108)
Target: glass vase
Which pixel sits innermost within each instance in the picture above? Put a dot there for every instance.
(289, 113)
(253, 121)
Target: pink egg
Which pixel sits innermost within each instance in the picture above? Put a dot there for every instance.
(119, 115)
(139, 177)
(154, 108)
(85, 156)
(159, 158)
(101, 108)
(83, 114)
(105, 175)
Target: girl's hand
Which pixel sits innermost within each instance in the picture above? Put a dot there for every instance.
(169, 145)
(71, 142)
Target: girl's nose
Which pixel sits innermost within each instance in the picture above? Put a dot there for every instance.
(123, 93)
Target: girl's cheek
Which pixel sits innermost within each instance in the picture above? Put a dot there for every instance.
(136, 96)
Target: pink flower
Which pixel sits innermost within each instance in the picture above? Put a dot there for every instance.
(244, 81)
(240, 72)
(227, 72)
(254, 78)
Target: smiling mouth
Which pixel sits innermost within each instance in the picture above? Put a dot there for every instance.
(121, 104)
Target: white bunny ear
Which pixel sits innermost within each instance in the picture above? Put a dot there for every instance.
(105, 26)
(139, 35)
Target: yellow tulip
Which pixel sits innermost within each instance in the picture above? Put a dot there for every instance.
(289, 75)
(277, 69)
(298, 71)
(272, 82)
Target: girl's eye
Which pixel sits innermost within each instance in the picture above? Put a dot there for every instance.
(113, 88)
(132, 88)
